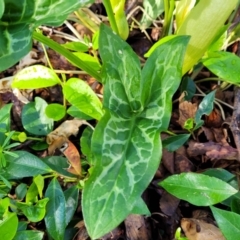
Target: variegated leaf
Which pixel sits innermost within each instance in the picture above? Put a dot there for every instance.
(126, 143)
(15, 42)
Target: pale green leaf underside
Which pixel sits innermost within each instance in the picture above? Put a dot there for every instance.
(126, 142)
(198, 189)
(2, 4)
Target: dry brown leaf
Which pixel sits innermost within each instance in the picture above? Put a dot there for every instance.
(215, 151)
(195, 229)
(186, 110)
(214, 119)
(168, 204)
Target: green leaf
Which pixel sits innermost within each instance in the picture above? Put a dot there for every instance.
(25, 165)
(2, 6)
(29, 234)
(55, 219)
(75, 112)
(125, 144)
(204, 108)
(219, 173)
(76, 46)
(228, 222)
(5, 118)
(34, 213)
(174, 142)
(80, 95)
(8, 226)
(59, 164)
(21, 191)
(189, 87)
(208, 26)
(88, 59)
(235, 203)
(225, 65)
(198, 189)
(55, 111)
(35, 120)
(71, 198)
(22, 225)
(85, 143)
(15, 43)
(153, 9)
(4, 204)
(34, 77)
(39, 181)
(32, 193)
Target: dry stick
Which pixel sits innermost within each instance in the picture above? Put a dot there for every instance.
(235, 122)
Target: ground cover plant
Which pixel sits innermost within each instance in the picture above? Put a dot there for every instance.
(77, 162)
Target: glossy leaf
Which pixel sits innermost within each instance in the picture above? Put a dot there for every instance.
(39, 181)
(80, 95)
(29, 234)
(22, 225)
(32, 193)
(71, 198)
(21, 191)
(174, 142)
(220, 173)
(189, 87)
(34, 77)
(26, 164)
(153, 9)
(228, 222)
(198, 189)
(209, 24)
(55, 219)
(35, 120)
(36, 212)
(59, 164)
(225, 65)
(85, 143)
(55, 111)
(204, 108)
(15, 43)
(76, 113)
(4, 204)
(8, 226)
(126, 145)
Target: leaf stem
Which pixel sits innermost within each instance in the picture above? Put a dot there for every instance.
(67, 54)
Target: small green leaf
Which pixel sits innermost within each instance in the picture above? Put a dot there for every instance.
(228, 222)
(35, 120)
(34, 213)
(189, 123)
(27, 165)
(75, 112)
(55, 219)
(85, 143)
(189, 87)
(32, 193)
(22, 225)
(76, 46)
(21, 191)
(8, 226)
(59, 164)
(4, 204)
(198, 189)
(235, 203)
(5, 118)
(174, 142)
(225, 65)
(39, 181)
(204, 108)
(39, 146)
(55, 111)
(153, 9)
(80, 95)
(29, 234)
(36, 76)
(71, 197)
(220, 173)
(88, 59)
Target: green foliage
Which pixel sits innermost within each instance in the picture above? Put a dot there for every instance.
(125, 144)
(225, 65)
(8, 226)
(174, 142)
(34, 118)
(19, 19)
(198, 189)
(55, 111)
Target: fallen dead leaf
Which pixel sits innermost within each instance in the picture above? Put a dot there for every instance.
(215, 151)
(186, 110)
(195, 229)
(214, 119)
